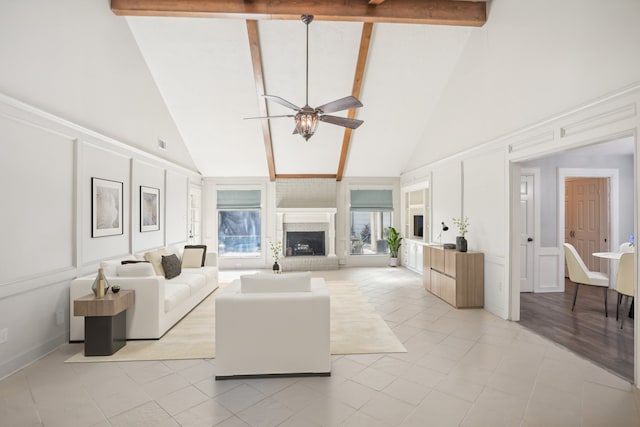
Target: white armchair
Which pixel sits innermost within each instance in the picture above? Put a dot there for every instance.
(269, 324)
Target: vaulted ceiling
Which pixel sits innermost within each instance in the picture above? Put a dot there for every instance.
(212, 61)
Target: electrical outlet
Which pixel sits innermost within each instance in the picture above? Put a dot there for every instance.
(4, 335)
(60, 317)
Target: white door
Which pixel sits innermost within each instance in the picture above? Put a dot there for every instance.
(526, 233)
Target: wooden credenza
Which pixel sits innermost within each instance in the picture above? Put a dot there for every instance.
(455, 277)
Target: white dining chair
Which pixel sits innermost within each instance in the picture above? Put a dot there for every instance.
(581, 275)
(624, 283)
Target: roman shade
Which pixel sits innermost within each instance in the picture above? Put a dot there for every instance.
(372, 200)
(238, 199)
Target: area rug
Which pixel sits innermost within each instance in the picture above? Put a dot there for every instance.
(356, 328)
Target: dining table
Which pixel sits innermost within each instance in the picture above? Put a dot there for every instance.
(608, 255)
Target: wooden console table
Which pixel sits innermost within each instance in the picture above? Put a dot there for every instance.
(456, 277)
(105, 321)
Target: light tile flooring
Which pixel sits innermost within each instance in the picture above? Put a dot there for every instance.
(463, 367)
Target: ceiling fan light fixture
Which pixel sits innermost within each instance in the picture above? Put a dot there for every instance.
(306, 123)
(307, 118)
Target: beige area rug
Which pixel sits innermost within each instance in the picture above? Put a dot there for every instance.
(356, 328)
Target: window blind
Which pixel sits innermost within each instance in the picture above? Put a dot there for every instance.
(372, 200)
(238, 199)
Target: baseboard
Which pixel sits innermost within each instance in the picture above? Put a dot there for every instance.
(287, 375)
(31, 356)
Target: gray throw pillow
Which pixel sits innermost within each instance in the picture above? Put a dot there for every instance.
(171, 265)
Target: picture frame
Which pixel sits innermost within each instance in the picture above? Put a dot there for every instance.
(149, 209)
(106, 207)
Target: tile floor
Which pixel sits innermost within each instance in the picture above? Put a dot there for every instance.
(463, 367)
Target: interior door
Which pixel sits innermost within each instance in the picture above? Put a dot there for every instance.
(526, 233)
(587, 218)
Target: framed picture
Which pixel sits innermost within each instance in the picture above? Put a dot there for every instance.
(149, 209)
(106, 207)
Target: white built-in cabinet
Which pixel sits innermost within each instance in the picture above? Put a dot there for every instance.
(415, 205)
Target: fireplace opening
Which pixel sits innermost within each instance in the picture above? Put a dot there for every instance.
(304, 243)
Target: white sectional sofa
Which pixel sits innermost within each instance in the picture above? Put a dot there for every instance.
(273, 324)
(159, 302)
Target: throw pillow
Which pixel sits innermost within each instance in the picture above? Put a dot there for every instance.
(155, 258)
(171, 265)
(143, 269)
(194, 256)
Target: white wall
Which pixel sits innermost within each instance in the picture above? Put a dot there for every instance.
(533, 59)
(446, 202)
(77, 60)
(45, 221)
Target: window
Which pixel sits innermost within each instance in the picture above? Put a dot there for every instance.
(371, 216)
(239, 223)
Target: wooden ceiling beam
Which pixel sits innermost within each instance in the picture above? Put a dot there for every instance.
(375, 1)
(256, 60)
(435, 12)
(305, 175)
(365, 41)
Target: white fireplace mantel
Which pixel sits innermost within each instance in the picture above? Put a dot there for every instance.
(307, 216)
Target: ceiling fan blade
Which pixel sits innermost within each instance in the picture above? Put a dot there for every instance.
(282, 102)
(342, 121)
(269, 117)
(340, 104)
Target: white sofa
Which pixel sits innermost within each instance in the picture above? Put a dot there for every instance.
(159, 302)
(273, 324)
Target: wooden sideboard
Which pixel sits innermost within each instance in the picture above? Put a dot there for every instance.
(455, 277)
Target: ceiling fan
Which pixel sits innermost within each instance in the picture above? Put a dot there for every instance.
(307, 117)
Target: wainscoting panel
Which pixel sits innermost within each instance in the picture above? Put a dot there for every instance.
(37, 187)
(494, 285)
(176, 211)
(549, 271)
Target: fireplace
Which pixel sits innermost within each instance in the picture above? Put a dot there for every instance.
(308, 236)
(304, 243)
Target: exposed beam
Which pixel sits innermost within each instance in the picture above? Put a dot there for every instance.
(256, 60)
(375, 1)
(365, 41)
(305, 175)
(436, 12)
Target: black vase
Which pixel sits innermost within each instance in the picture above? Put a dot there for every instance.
(461, 244)
(276, 267)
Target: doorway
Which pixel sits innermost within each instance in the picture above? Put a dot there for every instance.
(528, 206)
(568, 179)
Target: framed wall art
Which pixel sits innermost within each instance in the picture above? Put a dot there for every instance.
(149, 209)
(106, 207)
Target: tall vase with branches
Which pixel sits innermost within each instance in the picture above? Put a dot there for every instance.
(463, 228)
(276, 252)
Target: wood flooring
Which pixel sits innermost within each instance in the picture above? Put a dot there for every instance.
(585, 331)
